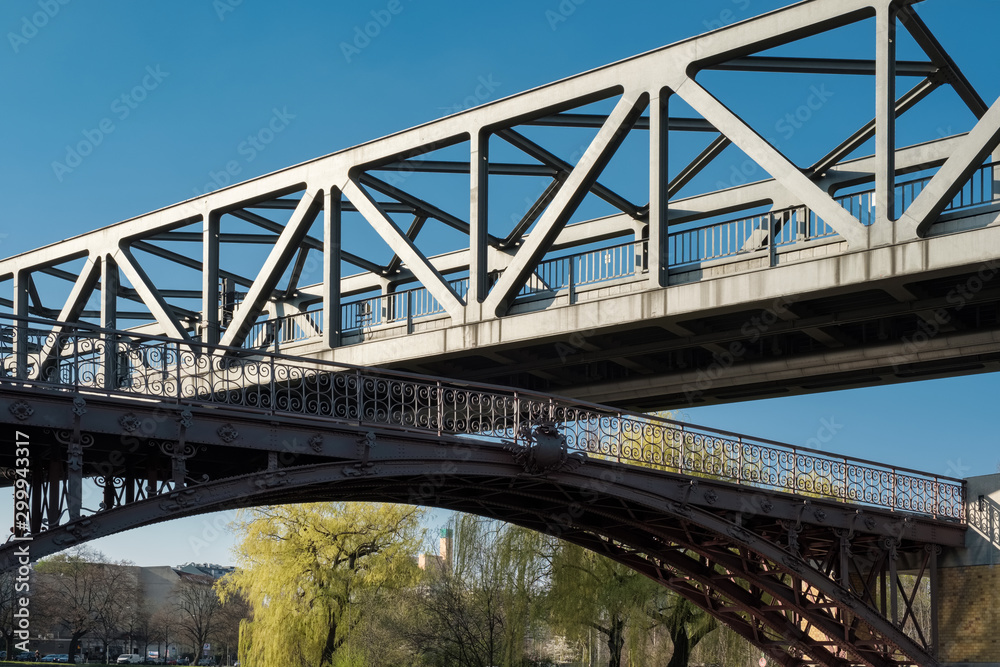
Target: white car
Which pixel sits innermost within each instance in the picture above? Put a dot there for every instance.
(130, 659)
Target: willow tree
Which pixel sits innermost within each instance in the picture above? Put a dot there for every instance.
(591, 592)
(305, 569)
(477, 610)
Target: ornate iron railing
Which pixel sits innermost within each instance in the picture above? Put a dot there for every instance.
(984, 517)
(120, 363)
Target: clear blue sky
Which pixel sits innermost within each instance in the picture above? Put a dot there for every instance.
(215, 72)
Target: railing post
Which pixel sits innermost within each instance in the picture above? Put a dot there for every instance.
(620, 430)
(681, 467)
(772, 243)
(274, 394)
(409, 311)
(937, 496)
(517, 417)
(739, 472)
(440, 408)
(795, 469)
(570, 279)
(359, 394)
(847, 478)
(892, 500)
(177, 375)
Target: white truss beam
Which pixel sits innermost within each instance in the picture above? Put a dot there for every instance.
(569, 196)
(270, 274)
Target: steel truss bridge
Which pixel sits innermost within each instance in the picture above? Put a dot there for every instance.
(148, 362)
(863, 270)
(799, 551)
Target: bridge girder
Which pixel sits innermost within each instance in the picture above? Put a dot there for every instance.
(749, 529)
(494, 270)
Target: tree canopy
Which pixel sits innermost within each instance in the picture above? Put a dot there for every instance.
(305, 570)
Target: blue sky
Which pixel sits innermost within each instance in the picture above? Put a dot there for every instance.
(173, 90)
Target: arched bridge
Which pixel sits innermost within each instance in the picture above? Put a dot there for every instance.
(799, 551)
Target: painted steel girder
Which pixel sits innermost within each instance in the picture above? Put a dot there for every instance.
(671, 69)
(650, 512)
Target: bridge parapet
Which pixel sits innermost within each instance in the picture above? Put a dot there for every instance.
(92, 361)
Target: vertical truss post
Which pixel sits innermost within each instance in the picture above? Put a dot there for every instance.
(109, 319)
(885, 124)
(935, 598)
(37, 489)
(22, 282)
(658, 191)
(54, 508)
(332, 312)
(894, 581)
(74, 477)
(478, 221)
(210, 302)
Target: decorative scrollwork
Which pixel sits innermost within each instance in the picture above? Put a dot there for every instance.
(288, 387)
(178, 501)
(21, 410)
(227, 433)
(129, 422)
(77, 532)
(545, 452)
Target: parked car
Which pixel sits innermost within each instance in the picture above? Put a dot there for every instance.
(56, 657)
(129, 659)
(25, 656)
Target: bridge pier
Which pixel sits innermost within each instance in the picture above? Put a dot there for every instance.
(968, 582)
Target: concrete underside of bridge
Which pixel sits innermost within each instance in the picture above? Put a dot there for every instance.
(816, 321)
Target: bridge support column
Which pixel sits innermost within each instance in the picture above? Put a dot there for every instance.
(968, 583)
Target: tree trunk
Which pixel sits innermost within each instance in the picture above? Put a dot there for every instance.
(74, 640)
(682, 648)
(616, 642)
(330, 645)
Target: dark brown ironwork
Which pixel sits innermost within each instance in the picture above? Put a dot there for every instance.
(816, 559)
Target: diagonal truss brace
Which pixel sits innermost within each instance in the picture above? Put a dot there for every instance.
(277, 261)
(768, 157)
(934, 198)
(404, 248)
(569, 196)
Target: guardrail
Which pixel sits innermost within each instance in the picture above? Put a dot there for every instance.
(984, 517)
(730, 238)
(37, 353)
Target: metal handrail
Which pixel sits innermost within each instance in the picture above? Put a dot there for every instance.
(194, 373)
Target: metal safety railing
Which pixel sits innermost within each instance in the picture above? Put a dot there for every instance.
(740, 236)
(984, 517)
(78, 358)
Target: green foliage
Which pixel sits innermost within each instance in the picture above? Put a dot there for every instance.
(305, 571)
(591, 591)
(477, 611)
